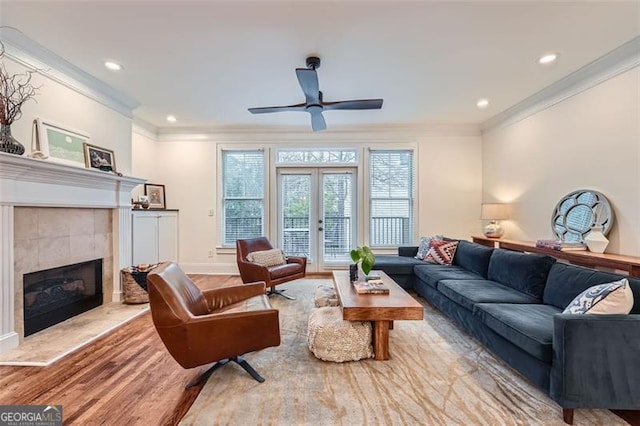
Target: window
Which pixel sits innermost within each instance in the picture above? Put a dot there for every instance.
(243, 195)
(391, 186)
(316, 156)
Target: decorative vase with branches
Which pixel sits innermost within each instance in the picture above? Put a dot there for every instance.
(15, 90)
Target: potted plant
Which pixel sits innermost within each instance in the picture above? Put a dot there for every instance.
(15, 90)
(365, 257)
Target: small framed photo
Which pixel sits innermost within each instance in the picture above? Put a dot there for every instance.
(156, 195)
(61, 143)
(96, 157)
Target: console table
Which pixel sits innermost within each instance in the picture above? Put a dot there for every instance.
(629, 264)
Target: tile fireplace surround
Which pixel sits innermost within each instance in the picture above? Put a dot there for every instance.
(42, 184)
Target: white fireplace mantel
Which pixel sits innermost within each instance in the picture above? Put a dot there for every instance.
(27, 182)
(30, 182)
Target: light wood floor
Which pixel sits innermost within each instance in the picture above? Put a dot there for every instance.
(127, 377)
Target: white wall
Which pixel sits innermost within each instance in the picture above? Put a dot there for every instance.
(591, 140)
(65, 106)
(449, 187)
(144, 157)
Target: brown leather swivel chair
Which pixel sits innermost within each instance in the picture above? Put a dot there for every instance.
(216, 325)
(295, 267)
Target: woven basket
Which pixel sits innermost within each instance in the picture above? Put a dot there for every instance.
(134, 284)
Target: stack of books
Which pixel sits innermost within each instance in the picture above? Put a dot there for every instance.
(371, 287)
(560, 245)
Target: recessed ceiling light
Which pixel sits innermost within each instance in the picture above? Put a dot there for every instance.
(171, 118)
(113, 66)
(548, 58)
(482, 103)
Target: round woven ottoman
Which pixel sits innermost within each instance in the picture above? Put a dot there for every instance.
(330, 338)
(326, 296)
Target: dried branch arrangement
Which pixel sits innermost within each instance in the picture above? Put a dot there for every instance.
(15, 90)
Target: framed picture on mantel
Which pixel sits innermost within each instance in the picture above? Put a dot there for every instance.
(156, 195)
(61, 143)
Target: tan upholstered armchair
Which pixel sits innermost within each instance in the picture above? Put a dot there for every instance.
(216, 325)
(294, 268)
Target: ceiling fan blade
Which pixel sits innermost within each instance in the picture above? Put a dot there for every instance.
(355, 104)
(317, 122)
(308, 80)
(298, 107)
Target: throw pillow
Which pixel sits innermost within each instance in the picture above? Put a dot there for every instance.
(441, 252)
(271, 257)
(609, 298)
(423, 247)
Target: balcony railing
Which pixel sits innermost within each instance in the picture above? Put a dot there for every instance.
(385, 231)
(390, 231)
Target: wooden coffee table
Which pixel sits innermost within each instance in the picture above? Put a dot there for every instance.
(380, 309)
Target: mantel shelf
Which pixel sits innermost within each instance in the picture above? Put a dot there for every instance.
(18, 168)
(29, 182)
(630, 264)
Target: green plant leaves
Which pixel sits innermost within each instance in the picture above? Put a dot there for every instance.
(365, 256)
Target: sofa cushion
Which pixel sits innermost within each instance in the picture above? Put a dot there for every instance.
(441, 252)
(525, 272)
(396, 265)
(431, 274)
(423, 247)
(565, 282)
(409, 251)
(473, 257)
(470, 292)
(529, 327)
(610, 298)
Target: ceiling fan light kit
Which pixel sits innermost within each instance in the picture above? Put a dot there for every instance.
(314, 103)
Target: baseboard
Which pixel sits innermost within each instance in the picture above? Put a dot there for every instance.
(9, 341)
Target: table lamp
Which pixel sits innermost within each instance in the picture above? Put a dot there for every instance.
(494, 212)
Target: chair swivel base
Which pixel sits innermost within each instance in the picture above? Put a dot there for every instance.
(238, 360)
(272, 291)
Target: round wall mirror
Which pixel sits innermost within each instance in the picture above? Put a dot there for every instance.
(578, 212)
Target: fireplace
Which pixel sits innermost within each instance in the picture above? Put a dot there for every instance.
(35, 236)
(54, 295)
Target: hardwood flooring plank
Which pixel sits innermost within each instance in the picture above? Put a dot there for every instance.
(126, 377)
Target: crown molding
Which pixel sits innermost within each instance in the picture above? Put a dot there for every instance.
(614, 63)
(283, 134)
(35, 56)
(144, 128)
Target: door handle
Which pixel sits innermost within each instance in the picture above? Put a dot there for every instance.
(320, 229)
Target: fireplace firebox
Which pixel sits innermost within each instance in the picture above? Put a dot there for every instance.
(54, 295)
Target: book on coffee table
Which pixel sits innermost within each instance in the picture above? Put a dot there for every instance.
(371, 287)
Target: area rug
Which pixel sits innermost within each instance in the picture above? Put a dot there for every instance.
(52, 344)
(437, 375)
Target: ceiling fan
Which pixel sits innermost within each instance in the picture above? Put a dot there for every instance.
(314, 105)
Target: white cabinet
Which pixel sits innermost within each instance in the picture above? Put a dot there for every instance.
(155, 236)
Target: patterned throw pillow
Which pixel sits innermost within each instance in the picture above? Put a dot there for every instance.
(423, 247)
(271, 257)
(441, 252)
(609, 298)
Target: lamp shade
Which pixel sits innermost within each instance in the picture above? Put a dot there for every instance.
(494, 211)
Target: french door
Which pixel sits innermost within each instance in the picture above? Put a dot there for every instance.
(317, 214)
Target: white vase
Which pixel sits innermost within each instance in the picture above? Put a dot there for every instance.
(596, 241)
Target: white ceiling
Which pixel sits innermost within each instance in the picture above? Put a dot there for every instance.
(207, 62)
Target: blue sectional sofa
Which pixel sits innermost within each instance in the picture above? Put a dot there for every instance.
(512, 302)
